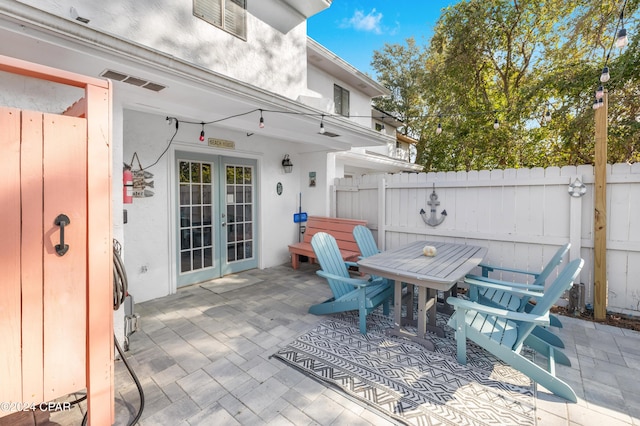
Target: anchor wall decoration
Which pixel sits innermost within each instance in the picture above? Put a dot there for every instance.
(433, 202)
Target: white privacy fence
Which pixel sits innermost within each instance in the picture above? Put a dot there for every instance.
(521, 215)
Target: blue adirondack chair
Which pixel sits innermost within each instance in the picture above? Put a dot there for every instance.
(490, 292)
(366, 244)
(348, 293)
(365, 241)
(368, 247)
(503, 332)
(493, 295)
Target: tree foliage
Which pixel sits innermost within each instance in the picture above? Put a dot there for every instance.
(515, 62)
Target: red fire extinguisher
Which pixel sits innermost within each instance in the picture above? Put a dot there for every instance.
(127, 188)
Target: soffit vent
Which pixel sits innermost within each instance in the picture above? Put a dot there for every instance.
(329, 134)
(136, 81)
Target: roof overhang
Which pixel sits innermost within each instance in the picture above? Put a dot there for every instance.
(192, 93)
(388, 117)
(322, 58)
(284, 15)
(371, 162)
(405, 139)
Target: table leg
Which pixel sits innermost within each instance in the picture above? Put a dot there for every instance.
(422, 311)
(453, 292)
(433, 304)
(397, 319)
(407, 299)
(397, 304)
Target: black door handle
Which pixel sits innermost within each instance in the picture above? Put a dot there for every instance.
(62, 220)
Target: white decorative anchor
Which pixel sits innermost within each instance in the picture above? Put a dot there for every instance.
(433, 202)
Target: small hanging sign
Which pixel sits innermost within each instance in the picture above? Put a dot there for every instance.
(140, 184)
(140, 180)
(221, 143)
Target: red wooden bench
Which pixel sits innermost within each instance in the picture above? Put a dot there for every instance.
(342, 231)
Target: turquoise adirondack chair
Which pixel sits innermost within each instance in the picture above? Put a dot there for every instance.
(493, 295)
(348, 293)
(490, 292)
(366, 244)
(368, 247)
(365, 241)
(503, 332)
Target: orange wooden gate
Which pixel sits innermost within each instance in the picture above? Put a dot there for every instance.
(56, 333)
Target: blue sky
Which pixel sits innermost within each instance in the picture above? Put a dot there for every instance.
(353, 29)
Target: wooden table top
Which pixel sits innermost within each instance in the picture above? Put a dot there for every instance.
(408, 264)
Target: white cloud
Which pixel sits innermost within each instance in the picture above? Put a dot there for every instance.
(371, 22)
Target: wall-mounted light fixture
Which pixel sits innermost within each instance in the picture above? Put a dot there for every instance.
(287, 165)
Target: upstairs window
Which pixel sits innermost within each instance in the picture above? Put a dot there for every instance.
(228, 15)
(341, 100)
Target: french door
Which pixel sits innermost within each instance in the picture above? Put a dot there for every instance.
(216, 205)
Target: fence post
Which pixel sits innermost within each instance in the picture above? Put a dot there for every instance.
(333, 207)
(600, 214)
(382, 185)
(575, 224)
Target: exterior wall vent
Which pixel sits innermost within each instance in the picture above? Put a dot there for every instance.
(154, 86)
(113, 75)
(136, 81)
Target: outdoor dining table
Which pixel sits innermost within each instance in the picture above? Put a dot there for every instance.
(408, 264)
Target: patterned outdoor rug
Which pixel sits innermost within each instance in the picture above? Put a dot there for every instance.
(407, 383)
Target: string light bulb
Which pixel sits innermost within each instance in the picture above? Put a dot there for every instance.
(202, 134)
(605, 76)
(439, 129)
(322, 125)
(261, 122)
(496, 124)
(547, 116)
(598, 103)
(600, 92)
(622, 39)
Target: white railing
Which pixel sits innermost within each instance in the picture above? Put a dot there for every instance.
(521, 215)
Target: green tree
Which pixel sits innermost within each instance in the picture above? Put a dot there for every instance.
(401, 69)
(514, 62)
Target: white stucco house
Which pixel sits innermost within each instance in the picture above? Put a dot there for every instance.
(209, 98)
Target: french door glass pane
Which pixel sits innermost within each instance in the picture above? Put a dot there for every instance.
(196, 213)
(239, 203)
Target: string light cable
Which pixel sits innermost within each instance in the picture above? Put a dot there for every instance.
(321, 116)
(620, 40)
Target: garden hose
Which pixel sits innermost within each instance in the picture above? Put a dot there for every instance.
(120, 288)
